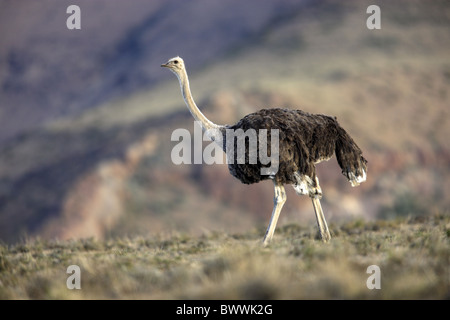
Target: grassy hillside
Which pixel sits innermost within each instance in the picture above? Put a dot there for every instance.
(413, 256)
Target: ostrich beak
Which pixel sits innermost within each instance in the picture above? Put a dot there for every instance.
(165, 65)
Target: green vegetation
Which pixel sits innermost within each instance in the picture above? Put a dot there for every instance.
(412, 253)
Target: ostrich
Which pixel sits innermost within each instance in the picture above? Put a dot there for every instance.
(304, 139)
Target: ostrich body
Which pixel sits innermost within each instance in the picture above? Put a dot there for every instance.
(304, 139)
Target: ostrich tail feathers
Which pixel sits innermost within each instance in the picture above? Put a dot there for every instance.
(350, 159)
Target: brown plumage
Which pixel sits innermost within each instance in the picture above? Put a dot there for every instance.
(304, 139)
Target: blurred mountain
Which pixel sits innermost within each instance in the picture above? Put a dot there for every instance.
(48, 71)
(86, 115)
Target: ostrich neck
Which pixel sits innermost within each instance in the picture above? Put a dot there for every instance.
(195, 111)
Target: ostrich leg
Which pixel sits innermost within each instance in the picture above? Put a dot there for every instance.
(321, 222)
(278, 202)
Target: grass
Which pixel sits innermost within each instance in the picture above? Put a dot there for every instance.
(412, 253)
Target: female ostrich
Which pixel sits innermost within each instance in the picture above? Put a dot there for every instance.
(304, 139)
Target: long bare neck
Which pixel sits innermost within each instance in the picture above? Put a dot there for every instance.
(195, 111)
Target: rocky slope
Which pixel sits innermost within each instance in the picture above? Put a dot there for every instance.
(86, 118)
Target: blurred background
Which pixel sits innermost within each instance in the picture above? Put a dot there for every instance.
(86, 115)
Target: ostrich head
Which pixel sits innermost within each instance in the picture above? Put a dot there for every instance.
(176, 65)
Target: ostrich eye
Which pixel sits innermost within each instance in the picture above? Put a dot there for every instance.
(176, 62)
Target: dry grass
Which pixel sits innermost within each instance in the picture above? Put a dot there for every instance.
(413, 255)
